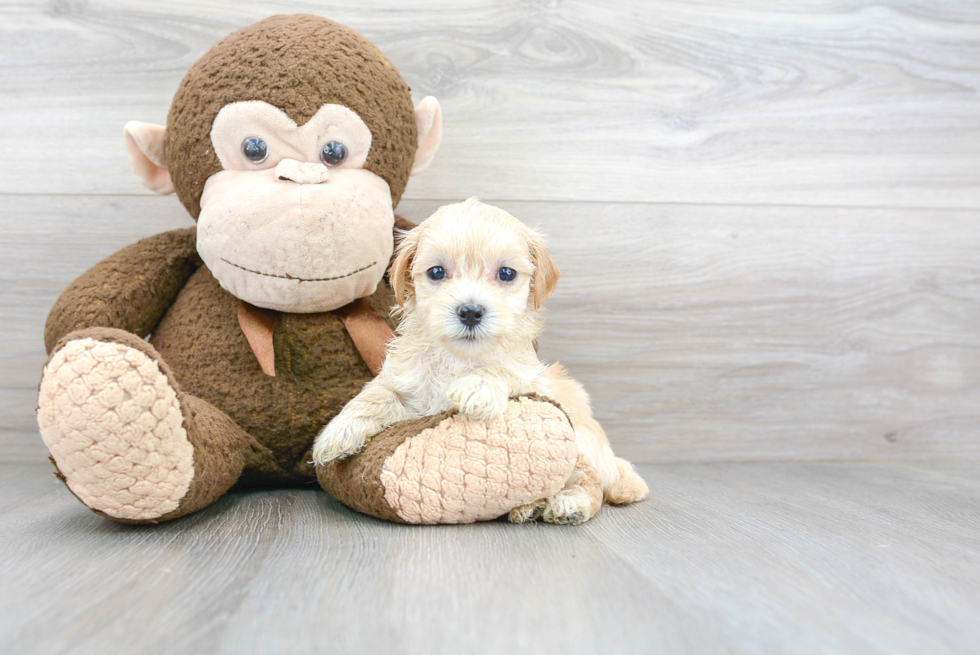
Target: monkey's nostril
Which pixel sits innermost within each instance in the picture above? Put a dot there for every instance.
(290, 170)
(470, 315)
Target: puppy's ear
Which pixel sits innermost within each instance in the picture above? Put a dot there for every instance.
(546, 272)
(400, 274)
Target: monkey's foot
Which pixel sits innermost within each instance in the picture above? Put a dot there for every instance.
(451, 468)
(114, 425)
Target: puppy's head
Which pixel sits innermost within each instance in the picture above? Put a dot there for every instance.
(472, 276)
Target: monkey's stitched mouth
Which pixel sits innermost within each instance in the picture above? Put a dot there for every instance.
(300, 279)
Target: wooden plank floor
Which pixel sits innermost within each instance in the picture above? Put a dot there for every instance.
(740, 558)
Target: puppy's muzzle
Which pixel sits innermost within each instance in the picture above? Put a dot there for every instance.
(470, 315)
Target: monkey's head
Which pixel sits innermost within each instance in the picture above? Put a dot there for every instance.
(291, 142)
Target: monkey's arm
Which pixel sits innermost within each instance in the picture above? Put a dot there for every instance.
(129, 290)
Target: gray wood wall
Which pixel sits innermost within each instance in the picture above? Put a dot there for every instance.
(768, 218)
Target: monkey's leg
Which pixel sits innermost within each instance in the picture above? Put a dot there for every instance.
(451, 468)
(123, 437)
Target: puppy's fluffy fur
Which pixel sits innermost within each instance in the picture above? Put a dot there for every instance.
(438, 362)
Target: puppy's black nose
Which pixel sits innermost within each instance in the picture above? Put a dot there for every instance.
(470, 315)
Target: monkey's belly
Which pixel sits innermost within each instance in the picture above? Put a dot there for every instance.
(318, 368)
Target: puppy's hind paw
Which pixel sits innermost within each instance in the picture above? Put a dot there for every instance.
(528, 513)
(477, 398)
(630, 487)
(568, 507)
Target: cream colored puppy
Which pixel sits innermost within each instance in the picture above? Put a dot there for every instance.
(470, 282)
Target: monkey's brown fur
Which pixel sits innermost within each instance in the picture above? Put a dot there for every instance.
(296, 63)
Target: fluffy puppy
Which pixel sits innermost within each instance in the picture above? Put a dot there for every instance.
(470, 282)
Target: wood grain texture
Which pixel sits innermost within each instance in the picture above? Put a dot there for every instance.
(767, 221)
(843, 102)
(724, 558)
(702, 333)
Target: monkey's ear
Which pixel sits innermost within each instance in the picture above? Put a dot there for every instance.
(400, 275)
(428, 118)
(546, 272)
(144, 145)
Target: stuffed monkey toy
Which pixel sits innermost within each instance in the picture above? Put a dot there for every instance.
(204, 358)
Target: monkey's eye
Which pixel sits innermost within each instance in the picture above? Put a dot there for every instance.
(436, 273)
(506, 274)
(255, 149)
(333, 153)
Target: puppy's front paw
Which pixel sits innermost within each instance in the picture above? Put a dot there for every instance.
(568, 507)
(342, 437)
(477, 398)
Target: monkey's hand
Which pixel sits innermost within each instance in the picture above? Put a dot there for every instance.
(482, 397)
(343, 436)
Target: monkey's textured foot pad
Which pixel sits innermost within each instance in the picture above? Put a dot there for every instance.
(114, 426)
(450, 468)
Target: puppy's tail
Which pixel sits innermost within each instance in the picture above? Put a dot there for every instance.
(630, 487)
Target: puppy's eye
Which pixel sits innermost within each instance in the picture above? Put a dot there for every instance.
(436, 273)
(255, 150)
(333, 153)
(506, 274)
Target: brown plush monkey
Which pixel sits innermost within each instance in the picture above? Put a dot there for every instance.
(201, 358)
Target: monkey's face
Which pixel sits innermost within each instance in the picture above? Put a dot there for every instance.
(291, 141)
(294, 222)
